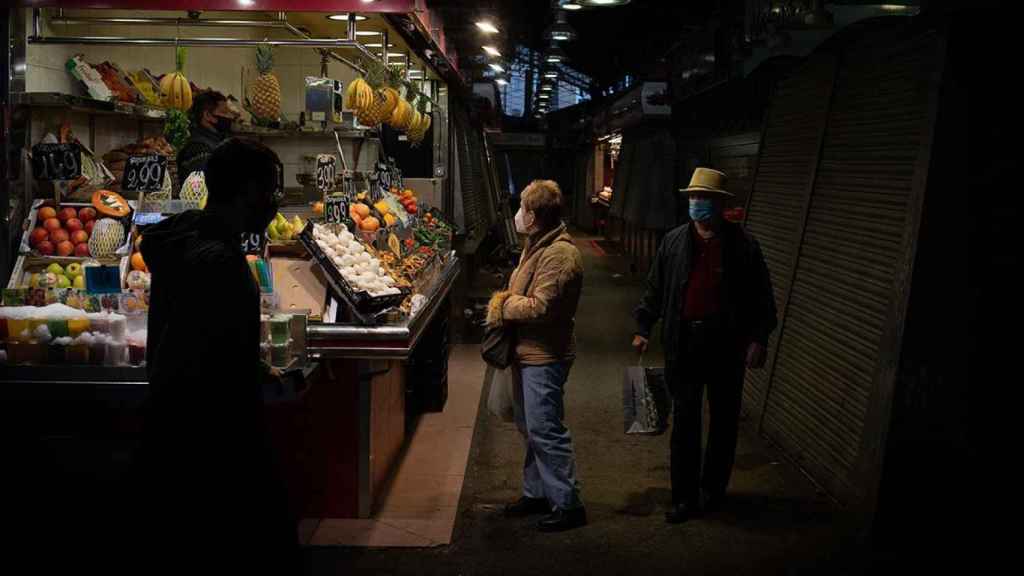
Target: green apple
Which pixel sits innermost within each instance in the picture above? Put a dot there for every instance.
(63, 282)
(79, 282)
(74, 270)
(55, 269)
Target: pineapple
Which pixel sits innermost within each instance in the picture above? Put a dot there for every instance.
(265, 95)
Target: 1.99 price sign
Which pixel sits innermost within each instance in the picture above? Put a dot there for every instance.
(56, 161)
(145, 173)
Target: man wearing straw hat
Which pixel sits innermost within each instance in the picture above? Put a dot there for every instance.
(709, 286)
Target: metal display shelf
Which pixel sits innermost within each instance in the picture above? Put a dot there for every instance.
(390, 341)
(152, 113)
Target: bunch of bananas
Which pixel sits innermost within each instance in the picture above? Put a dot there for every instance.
(384, 104)
(402, 116)
(359, 95)
(420, 125)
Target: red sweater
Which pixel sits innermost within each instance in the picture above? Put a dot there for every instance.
(703, 290)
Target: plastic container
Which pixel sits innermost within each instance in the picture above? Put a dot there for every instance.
(117, 354)
(280, 329)
(136, 353)
(281, 354)
(77, 326)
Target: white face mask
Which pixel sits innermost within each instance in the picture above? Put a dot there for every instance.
(521, 224)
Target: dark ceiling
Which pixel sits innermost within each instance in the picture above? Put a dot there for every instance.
(612, 41)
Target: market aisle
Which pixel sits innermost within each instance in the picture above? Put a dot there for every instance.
(775, 521)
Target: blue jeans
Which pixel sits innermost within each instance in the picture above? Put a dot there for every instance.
(550, 468)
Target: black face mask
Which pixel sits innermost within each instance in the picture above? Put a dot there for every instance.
(222, 124)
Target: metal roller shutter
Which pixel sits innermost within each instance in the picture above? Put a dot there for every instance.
(850, 253)
(788, 153)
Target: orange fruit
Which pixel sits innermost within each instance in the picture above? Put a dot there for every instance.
(370, 224)
(137, 262)
(362, 209)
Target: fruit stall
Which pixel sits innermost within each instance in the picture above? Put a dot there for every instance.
(355, 272)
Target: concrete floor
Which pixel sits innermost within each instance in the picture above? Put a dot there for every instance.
(775, 523)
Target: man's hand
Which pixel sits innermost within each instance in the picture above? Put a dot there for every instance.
(756, 356)
(640, 344)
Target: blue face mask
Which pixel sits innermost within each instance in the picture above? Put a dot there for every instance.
(702, 209)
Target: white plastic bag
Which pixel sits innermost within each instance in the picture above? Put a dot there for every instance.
(501, 398)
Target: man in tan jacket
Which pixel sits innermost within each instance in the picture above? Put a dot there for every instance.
(540, 307)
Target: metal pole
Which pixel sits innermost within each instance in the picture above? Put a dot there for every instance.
(168, 22)
(222, 42)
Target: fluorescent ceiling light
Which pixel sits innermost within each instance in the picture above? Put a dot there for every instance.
(395, 54)
(496, 67)
(486, 26)
(602, 2)
(560, 31)
(367, 33)
(551, 74)
(344, 17)
(545, 96)
(555, 55)
(571, 6)
(492, 51)
(378, 45)
(501, 81)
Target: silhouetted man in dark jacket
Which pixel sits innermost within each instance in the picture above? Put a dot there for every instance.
(211, 491)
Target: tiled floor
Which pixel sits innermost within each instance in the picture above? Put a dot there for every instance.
(421, 506)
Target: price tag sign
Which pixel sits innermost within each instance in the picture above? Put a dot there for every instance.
(145, 173)
(56, 161)
(336, 209)
(383, 177)
(326, 168)
(253, 243)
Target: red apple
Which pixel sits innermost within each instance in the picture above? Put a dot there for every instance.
(38, 235)
(82, 250)
(51, 224)
(65, 248)
(79, 236)
(59, 235)
(86, 214)
(74, 225)
(45, 213)
(89, 225)
(67, 213)
(45, 247)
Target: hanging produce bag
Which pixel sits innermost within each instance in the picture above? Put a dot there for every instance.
(645, 400)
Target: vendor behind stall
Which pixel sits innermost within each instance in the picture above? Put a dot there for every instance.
(211, 119)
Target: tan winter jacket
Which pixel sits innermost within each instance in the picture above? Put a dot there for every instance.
(540, 303)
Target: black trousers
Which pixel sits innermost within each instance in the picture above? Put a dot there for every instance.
(714, 359)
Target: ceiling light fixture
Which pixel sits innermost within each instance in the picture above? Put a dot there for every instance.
(501, 82)
(560, 31)
(367, 33)
(551, 73)
(378, 45)
(571, 5)
(602, 3)
(492, 51)
(487, 27)
(344, 18)
(496, 67)
(555, 55)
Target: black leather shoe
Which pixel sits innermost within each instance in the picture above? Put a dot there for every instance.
(562, 520)
(527, 507)
(680, 513)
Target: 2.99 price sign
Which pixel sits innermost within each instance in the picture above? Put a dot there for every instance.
(56, 161)
(336, 209)
(326, 168)
(145, 173)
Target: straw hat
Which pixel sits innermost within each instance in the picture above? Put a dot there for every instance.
(706, 180)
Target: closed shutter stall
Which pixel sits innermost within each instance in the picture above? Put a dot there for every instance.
(792, 138)
(737, 157)
(853, 244)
